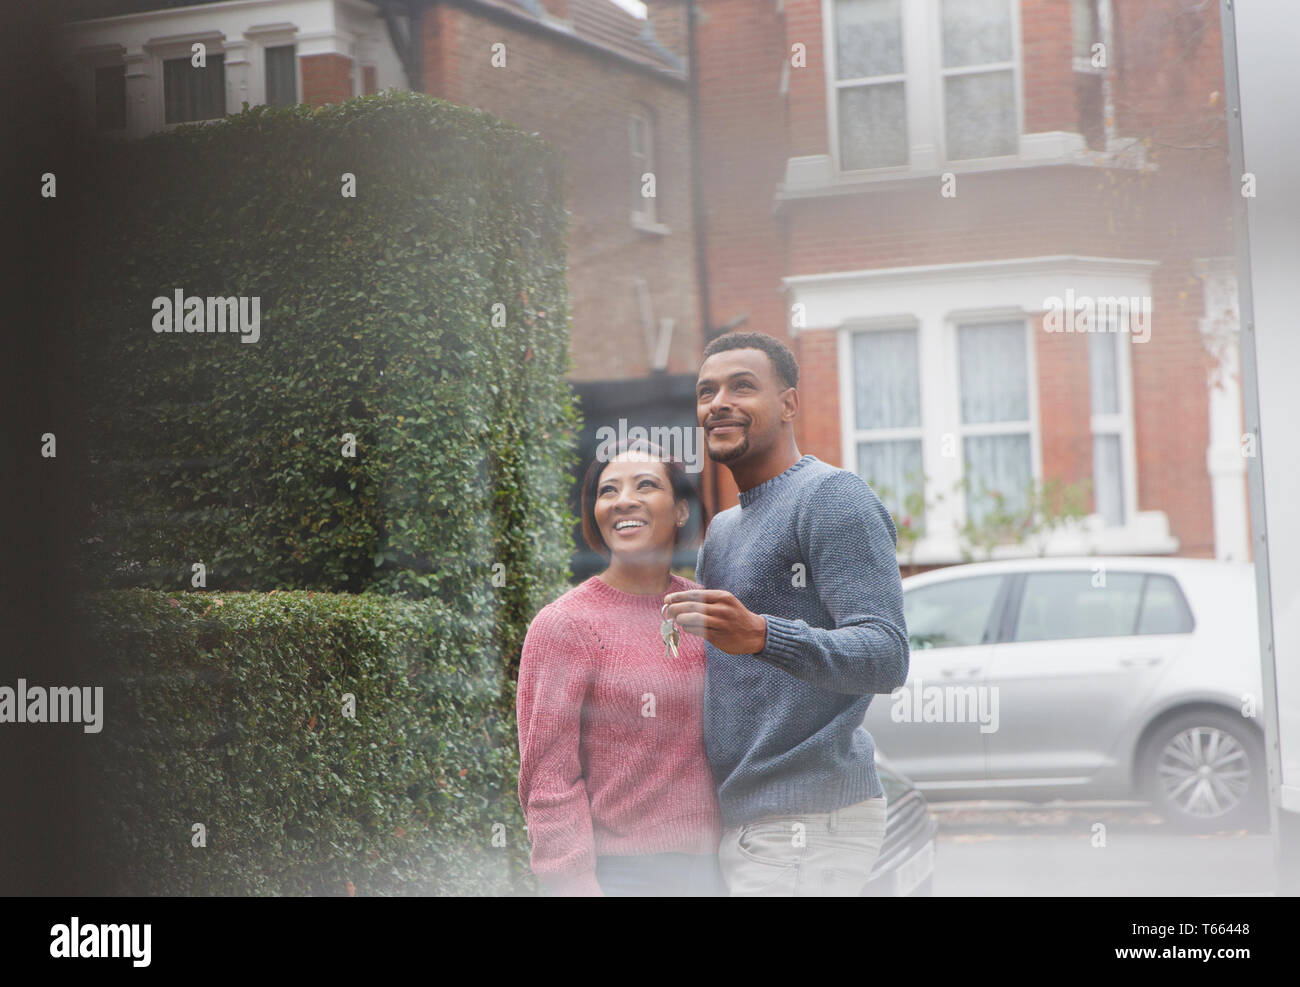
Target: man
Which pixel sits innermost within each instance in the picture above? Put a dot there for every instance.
(803, 619)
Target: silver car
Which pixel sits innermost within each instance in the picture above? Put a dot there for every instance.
(1084, 678)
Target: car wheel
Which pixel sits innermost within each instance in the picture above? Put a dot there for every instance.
(1204, 771)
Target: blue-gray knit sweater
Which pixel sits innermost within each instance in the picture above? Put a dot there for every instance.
(813, 551)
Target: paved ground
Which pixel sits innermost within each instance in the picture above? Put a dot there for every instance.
(988, 848)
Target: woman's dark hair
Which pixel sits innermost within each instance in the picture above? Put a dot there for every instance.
(677, 481)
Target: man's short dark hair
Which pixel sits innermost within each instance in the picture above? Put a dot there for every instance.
(783, 362)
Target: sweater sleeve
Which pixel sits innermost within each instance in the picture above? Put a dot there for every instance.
(850, 543)
(555, 675)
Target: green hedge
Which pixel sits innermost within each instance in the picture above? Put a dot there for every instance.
(376, 320)
(226, 709)
(428, 317)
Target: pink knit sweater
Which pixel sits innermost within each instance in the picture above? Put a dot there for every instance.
(611, 744)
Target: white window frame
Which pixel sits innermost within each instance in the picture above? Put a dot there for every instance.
(951, 329)
(259, 39)
(922, 78)
(1121, 422)
(647, 219)
(1083, 63)
(853, 434)
(836, 84)
(164, 50)
(262, 48)
(646, 214)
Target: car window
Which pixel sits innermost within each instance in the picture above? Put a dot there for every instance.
(1164, 610)
(1062, 605)
(950, 614)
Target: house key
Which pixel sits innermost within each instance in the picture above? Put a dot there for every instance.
(671, 633)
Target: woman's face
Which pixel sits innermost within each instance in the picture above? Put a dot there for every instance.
(634, 506)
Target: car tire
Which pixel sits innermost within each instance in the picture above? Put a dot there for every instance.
(1204, 771)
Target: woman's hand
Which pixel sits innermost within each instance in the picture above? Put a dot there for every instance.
(719, 618)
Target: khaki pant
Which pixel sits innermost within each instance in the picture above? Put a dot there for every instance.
(818, 854)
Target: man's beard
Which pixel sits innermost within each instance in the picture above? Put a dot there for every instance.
(732, 454)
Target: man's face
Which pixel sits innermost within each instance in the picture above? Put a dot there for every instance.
(738, 404)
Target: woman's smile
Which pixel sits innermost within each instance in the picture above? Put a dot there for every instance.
(627, 527)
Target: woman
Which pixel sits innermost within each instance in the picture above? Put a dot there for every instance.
(613, 778)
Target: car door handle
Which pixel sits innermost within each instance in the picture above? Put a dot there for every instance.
(949, 673)
(1140, 661)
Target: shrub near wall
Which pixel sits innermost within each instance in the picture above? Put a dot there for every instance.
(427, 317)
(427, 320)
(227, 710)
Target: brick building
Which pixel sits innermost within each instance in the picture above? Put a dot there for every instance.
(609, 90)
(898, 187)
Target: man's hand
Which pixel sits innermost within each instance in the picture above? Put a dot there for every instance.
(719, 618)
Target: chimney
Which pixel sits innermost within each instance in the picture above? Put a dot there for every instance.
(668, 20)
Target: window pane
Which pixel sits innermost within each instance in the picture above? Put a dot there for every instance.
(110, 97)
(980, 115)
(950, 614)
(999, 470)
(886, 379)
(893, 469)
(281, 76)
(641, 142)
(868, 38)
(873, 129)
(1062, 605)
(1103, 372)
(1164, 610)
(1108, 478)
(191, 93)
(994, 373)
(1084, 24)
(976, 32)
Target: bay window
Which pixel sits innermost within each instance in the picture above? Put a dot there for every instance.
(939, 399)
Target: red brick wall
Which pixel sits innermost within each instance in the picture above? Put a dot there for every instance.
(1171, 415)
(807, 100)
(326, 79)
(1172, 215)
(1047, 43)
(668, 19)
(744, 153)
(1170, 54)
(440, 50)
(580, 103)
(1064, 404)
(817, 429)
